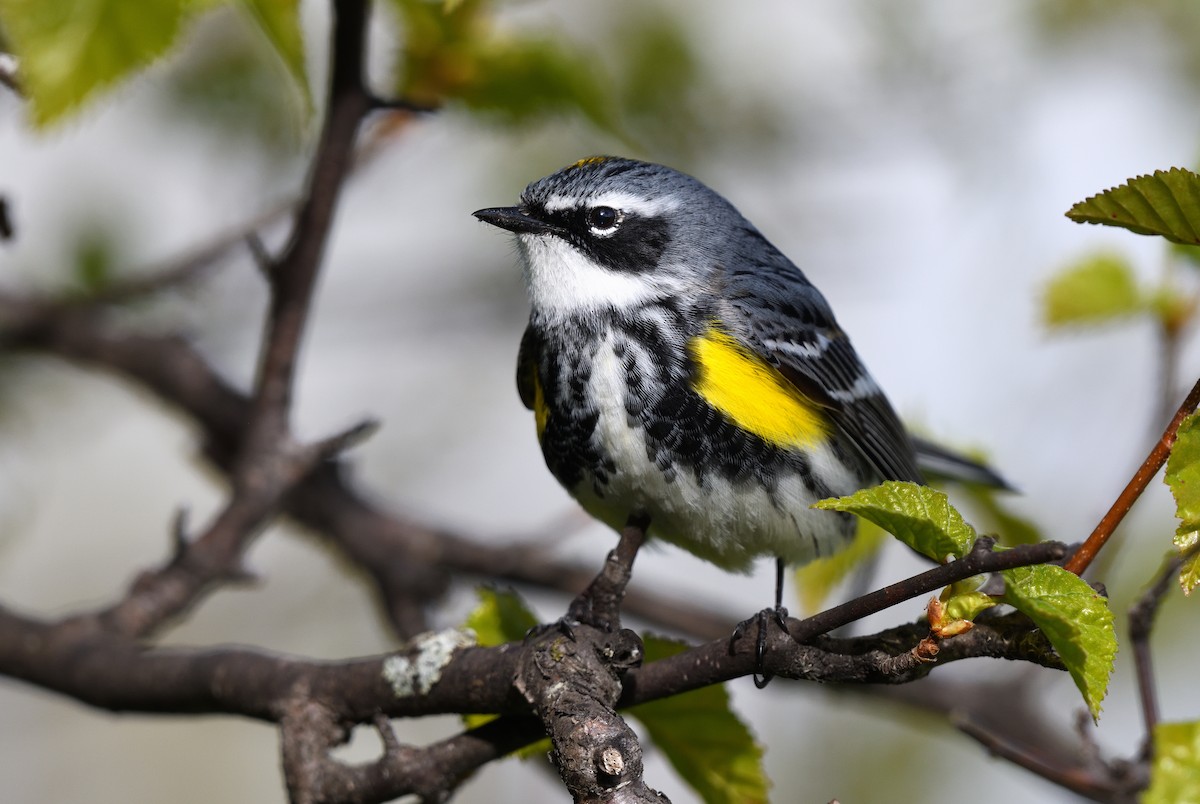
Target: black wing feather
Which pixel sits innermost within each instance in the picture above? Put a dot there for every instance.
(780, 316)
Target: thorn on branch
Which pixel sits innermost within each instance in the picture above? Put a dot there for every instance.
(179, 534)
(240, 575)
(260, 255)
(351, 437)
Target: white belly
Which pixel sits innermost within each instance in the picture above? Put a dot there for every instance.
(726, 523)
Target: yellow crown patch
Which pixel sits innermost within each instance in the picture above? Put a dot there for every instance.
(589, 160)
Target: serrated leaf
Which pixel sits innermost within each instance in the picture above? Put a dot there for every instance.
(1076, 620)
(1098, 289)
(1189, 573)
(279, 20)
(815, 580)
(707, 744)
(1175, 774)
(1188, 254)
(919, 516)
(1166, 203)
(1183, 478)
(71, 49)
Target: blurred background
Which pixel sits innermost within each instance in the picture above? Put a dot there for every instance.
(914, 159)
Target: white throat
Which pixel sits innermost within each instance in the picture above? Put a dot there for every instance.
(563, 282)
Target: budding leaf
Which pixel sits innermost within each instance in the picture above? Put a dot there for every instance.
(702, 738)
(1166, 203)
(1097, 290)
(1175, 775)
(968, 605)
(1074, 617)
(919, 516)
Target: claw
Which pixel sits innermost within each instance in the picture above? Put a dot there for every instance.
(761, 621)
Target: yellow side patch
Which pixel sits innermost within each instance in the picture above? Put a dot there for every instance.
(540, 410)
(753, 394)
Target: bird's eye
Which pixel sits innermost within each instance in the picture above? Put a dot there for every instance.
(603, 220)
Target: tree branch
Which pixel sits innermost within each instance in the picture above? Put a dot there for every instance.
(292, 278)
(1141, 623)
(789, 657)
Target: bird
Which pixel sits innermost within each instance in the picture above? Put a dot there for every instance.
(682, 371)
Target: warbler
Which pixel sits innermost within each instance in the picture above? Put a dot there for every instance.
(682, 370)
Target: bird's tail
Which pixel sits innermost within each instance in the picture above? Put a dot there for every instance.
(939, 463)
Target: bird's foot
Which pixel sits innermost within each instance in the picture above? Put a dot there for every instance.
(761, 677)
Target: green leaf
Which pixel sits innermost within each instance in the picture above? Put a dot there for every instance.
(1076, 620)
(1166, 203)
(453, 52)
(527, 79)
(1183, 478)
(1098, 289)
(279, 21)
(706, 743)
(919, 516)
(1175, 775)
(1187, 254)
(500, 617)
(968, 605)
(1189, 573)
(815, 580)
(71, 49)
(95, 260)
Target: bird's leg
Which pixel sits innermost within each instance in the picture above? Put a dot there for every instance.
(600, 604)
(761, 677)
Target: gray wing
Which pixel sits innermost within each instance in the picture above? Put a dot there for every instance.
(780, 316)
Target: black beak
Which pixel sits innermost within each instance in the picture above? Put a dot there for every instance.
(514, 219)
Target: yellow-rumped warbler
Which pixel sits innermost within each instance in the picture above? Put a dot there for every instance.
(680, 368)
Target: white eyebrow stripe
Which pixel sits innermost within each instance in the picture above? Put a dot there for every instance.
(626, 202)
